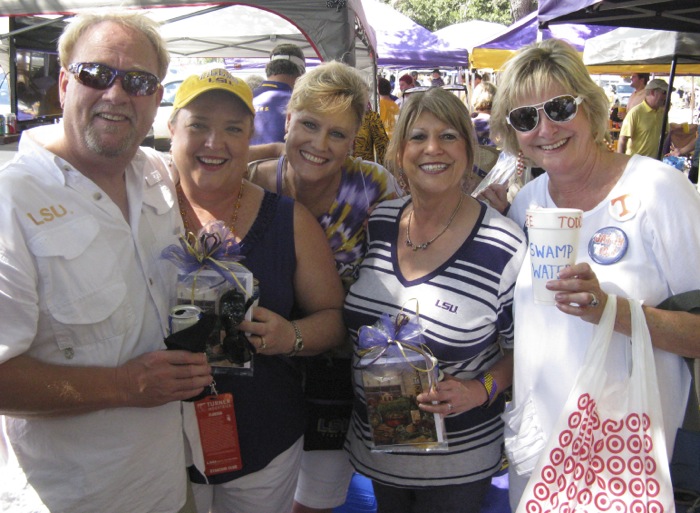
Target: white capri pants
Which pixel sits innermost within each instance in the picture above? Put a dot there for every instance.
(270, 490)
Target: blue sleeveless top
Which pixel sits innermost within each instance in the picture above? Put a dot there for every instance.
(269, 405)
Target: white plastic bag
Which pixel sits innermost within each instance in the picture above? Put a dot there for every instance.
(523, 437)
(608, 449)
(503, 172)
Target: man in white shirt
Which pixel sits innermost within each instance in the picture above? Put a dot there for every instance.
(91, 397)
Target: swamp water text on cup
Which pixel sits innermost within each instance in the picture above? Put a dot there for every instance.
(544, 271)
(553, 242)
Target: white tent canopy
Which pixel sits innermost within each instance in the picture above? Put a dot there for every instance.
(332, 27)
(468, 34)
(637, 47)
(642, 47)
(325, 30)
(214, 33)
(333, 30)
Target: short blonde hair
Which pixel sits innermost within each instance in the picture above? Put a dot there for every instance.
(540, 66)
(442, 104)
(331, 87)
(133, 20)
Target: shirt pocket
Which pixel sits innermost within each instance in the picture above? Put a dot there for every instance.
(82, 291)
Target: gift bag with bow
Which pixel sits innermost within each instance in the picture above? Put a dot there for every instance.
(608, 448)
(395, 367)
(211, 276)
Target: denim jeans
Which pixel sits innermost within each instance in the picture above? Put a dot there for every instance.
(466, 498)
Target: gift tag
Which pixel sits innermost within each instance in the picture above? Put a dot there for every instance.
(219, 434)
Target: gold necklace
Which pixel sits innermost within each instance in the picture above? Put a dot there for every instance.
(416, 247)
(183, 213)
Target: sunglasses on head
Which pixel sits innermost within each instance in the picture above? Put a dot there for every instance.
(101, 77)
(559, 109)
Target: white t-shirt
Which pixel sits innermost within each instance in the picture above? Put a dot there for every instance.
(653, 210)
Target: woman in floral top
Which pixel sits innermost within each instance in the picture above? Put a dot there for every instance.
(323, 118)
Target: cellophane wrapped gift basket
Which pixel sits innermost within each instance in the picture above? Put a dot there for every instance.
(211, 277)
(395, 366)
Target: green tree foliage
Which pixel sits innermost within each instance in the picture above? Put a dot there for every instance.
(497, 11)
(436, 14)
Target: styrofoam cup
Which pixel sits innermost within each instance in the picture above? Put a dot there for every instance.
(553, 241)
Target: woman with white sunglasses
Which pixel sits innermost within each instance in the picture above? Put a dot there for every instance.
(637, 240)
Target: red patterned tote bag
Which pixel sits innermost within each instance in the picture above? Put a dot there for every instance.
(608, 449)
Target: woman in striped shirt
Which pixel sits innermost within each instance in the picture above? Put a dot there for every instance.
(459, 258)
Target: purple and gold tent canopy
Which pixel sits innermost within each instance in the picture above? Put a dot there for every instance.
(495, 52)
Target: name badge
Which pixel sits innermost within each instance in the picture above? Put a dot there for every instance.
(218, 432)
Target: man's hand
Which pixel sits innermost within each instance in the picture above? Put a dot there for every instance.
(160, 377)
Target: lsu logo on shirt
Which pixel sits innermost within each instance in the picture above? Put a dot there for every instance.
(47, 214)
(446, 306)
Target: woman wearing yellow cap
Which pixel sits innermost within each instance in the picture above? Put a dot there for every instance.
(284, 247)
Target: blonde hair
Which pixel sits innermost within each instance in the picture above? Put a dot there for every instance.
(132, 20)
(550, 63)
(483, 97)
(442, 104)
(330, 88)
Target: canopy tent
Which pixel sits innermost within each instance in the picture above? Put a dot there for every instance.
(214, 32)
(673, 15)
(673, 52)
(654, 50)
(494, 53)
(332, 30)
(468, 34)
(402, 43)
(644, 49)
(660, 15)
(194, 31)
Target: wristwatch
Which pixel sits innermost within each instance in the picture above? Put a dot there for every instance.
(298, 340)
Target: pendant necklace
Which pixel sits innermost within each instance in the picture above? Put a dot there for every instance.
(424, 245)
(234, 216)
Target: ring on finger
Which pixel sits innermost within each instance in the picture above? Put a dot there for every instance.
(263, 345)
(594, 301)
(450, 407)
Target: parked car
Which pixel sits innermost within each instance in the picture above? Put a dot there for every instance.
(161, 134)
(623, 92)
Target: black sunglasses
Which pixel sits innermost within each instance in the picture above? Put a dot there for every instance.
(101, 77)
(559, 109)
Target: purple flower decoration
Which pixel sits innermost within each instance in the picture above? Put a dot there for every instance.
(402, 336)
(214, 247)
(386, 331)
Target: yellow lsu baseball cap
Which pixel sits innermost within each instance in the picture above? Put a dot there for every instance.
(213, 80)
